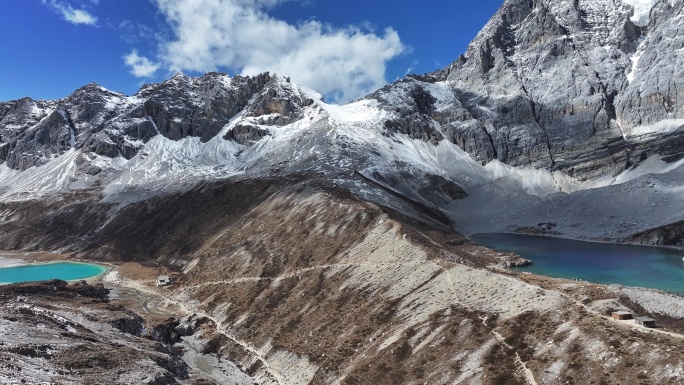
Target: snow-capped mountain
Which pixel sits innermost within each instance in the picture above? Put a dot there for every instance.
(573, 86)
(314, 243)
(550, 97)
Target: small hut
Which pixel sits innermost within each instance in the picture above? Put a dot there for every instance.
(622, 315)
(646, 322)
(163, 280)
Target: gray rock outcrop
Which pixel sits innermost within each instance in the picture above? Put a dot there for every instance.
(111, 124)
(555, 85)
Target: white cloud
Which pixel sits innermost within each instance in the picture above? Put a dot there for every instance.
(141, 66)
(241, 36)
(73, 16)
(413, 65)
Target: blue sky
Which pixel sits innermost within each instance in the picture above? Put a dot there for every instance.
(342, 49)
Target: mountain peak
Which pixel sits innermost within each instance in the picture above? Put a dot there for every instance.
(179, 76)
(94, 87)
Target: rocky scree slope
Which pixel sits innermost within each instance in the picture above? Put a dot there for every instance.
(300, 282)
(310, 286)
(71, 334)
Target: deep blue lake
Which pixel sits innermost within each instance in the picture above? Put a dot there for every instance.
(606, 263)
(62, 270)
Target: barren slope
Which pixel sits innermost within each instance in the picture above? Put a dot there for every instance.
(311, 287)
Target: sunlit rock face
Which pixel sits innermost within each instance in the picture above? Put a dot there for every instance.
(96, 120)
(573, 86)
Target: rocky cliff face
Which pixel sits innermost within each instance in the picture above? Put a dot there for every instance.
(574, 86)
(586, 87)
(102, 122)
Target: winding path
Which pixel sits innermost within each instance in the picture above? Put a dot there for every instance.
(154, 308)
(157, 302)
(297, 273)
(529, 376)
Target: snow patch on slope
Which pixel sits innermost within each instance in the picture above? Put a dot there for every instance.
(661, 127)
(55, 175)
(539, 182)
(361, 111)
(163, 163)
(642, 11)
(652, 165)
(635, 60)
(443, 95)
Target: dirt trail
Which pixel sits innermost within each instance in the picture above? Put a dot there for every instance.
(297, 273)
(158, 303)
(254, 352)
(529, 376)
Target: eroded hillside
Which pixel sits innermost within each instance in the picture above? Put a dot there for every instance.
(299, 282)
(313, 288)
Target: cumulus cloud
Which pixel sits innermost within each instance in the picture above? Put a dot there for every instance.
(241, 36)
(73, 16)
(141, 66)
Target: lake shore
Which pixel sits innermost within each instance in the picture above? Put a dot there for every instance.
(14, 259)
(10, 260)
(562, 236)
(602, 263)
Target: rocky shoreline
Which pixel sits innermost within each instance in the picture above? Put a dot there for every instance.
(517, 262)
(10, 259)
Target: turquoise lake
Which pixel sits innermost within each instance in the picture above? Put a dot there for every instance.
(62, 270)
(606, 263)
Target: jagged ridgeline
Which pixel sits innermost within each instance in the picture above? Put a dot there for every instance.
(94, 119)
(315, 243)
(586, 87)
(550, 96)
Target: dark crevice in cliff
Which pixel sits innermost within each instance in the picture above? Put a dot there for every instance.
(73, 132)
(491, 143)
(537, 118)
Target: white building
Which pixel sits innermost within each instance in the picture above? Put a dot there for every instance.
(163, 280)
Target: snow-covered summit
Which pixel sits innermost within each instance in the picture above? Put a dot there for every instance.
(94, 119)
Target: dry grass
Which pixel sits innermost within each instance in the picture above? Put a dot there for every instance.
(376, 324)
